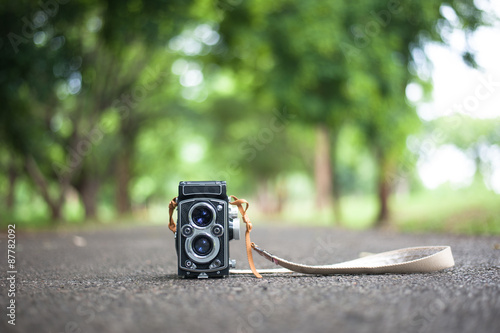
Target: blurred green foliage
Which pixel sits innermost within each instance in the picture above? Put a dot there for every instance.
(298, 104)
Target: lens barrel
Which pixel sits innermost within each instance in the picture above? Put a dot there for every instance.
(202, 214)
(202, 245)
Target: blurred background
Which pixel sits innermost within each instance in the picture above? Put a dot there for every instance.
(357, 114)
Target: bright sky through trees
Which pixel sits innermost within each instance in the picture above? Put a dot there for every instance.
(462, 89)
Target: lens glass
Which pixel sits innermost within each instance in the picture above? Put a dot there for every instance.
(202, 216)
(202, 246)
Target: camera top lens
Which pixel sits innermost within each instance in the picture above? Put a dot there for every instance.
(202, 246)
(202, 214)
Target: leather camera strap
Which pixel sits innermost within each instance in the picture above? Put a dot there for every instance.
(408, 260)
(171, 207)
(248, 243)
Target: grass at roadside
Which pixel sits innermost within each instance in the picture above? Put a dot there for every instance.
(473, 210)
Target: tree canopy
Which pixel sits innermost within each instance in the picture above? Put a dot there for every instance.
(113, 102)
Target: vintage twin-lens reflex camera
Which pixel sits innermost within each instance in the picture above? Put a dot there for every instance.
(206, 222)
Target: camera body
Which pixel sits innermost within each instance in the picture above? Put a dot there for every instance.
(206, 222)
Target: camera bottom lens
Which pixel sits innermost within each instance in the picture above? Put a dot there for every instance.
(202, 245)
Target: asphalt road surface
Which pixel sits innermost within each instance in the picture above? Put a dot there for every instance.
(125, 281)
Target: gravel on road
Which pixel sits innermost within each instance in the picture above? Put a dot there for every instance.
(124, 280)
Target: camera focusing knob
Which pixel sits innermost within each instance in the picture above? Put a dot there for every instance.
(233, 212)
(234, 226)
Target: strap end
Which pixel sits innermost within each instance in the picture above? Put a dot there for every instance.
(265, 254)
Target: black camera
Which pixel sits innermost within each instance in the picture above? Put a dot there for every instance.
(206, 222)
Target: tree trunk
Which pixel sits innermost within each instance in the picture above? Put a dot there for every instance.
(323, 168)
(55, 205)
(123, 176)
(383, 191)
(336, 192)
(88, 192)
(281, 196)
(383, 202)
(87, 184)
(264, 196)
(55, 214)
